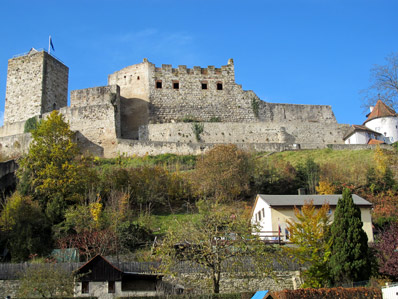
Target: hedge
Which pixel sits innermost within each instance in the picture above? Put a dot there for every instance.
(331, 293)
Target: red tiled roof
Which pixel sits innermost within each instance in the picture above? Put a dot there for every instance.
(374, 141)
(380, 110)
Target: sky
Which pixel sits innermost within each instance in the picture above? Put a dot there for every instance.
(286, 51)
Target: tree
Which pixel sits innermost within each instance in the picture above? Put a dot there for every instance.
(387, 254)
(349, 259)
(274, 177)
(325, 187)
(46, 280)
(220, 240)
(311, 236)
(384, 83)
(308, 175)
(25, 227)
(50, 171)
(223, 173)
(87, 228)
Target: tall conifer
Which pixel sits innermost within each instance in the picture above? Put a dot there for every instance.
(349, 260)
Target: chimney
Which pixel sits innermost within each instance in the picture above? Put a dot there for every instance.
(301, 191)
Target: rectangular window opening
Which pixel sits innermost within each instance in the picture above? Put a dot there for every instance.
(204, 85)
(111, 287)
(158, 84)
(176, 85)
(219, 86)
(85, 287)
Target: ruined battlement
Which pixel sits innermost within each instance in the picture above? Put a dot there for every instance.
(225, 70)
(94, 96)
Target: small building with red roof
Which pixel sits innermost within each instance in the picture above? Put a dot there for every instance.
(381, 126)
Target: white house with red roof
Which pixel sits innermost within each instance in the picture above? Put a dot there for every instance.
(381, 126)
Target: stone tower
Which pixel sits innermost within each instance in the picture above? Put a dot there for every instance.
(36, 83)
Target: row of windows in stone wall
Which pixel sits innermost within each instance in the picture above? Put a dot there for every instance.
(176, 85)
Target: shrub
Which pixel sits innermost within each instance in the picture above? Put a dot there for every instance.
(197, 129)
(31, 124)
(255, 106)
(332, 293)
(215, 119)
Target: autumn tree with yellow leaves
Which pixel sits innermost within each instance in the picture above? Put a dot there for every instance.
(50, 171)
(310, 234)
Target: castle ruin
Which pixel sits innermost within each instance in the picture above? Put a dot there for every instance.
(146, 109)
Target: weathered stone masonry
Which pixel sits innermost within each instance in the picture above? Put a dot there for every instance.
(36, 83)
(141, 110)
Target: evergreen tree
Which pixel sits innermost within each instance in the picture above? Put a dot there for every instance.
(349, 259)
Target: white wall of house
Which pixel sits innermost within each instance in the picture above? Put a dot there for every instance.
(276, 217)
(262, 217)
(388, 126)
(359, 137)
(100, 289)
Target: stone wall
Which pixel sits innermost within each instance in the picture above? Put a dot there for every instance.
(273, 112)
(9, 288)
(134, 91)
(94, 96)
(55, 84)
(199, 283)
(24, 87)
(12, 129)
(142, 148)
(289, 132)
(14, 145)
(200, 93)
(192, 282)
(36, 83)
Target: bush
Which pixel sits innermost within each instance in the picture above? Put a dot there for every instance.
(31, 124)
(247, 295)
(332, 293)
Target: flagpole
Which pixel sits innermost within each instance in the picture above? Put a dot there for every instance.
(49, 45)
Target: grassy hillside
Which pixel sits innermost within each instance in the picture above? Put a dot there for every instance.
(343, 158)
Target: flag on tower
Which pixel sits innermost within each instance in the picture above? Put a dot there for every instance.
(50, 45)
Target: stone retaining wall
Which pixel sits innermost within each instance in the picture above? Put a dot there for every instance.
(288, 132)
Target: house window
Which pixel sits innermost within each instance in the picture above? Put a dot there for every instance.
(85, 287)
(259, 216)
(263, 212)
(111, 287)
(158, 84)
(176, 85)
(204, 85)
(138, 77)
(219, 86)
